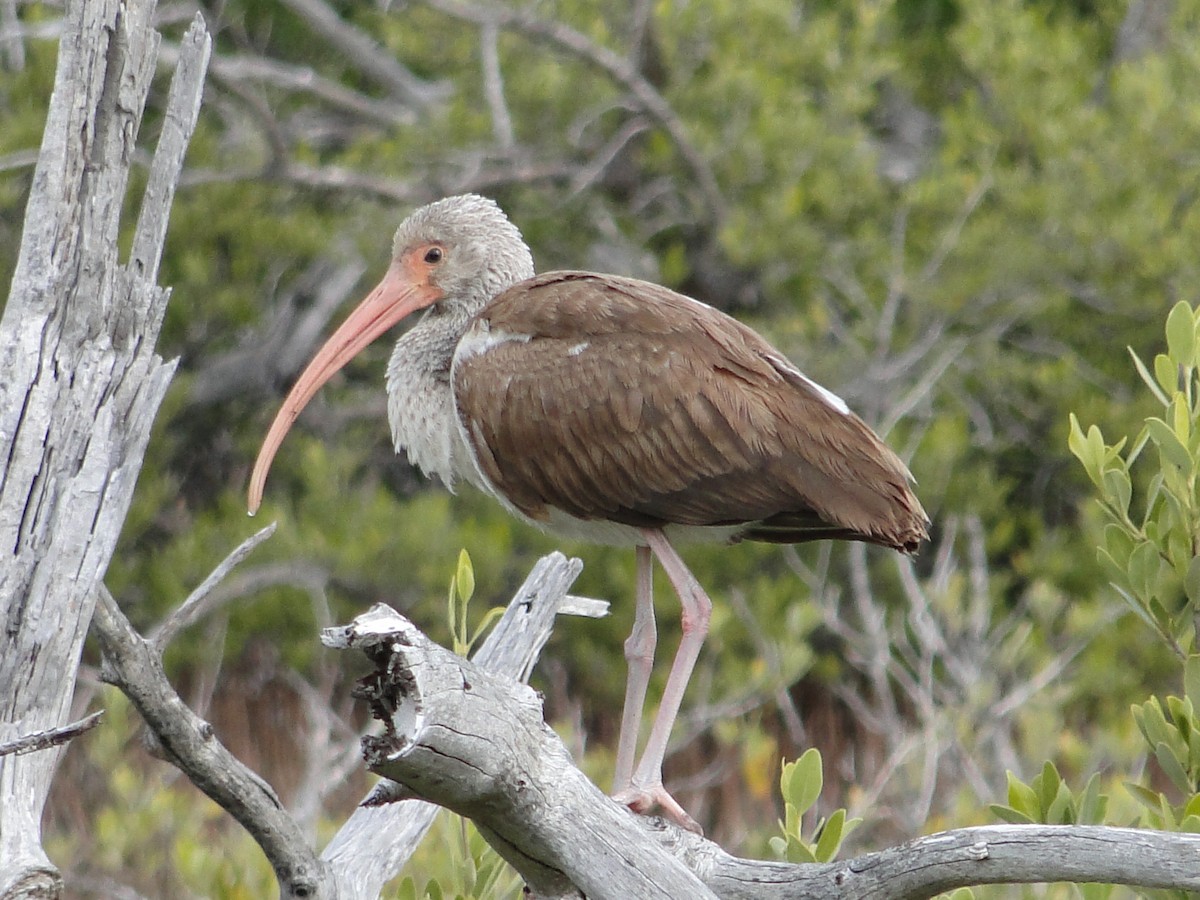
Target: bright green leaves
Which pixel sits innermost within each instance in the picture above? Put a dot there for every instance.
(462, 587)
(1048, 800)
(1181, 335)
(1150, 556)
(1173, 735)
(1152, 560)
(801, 782)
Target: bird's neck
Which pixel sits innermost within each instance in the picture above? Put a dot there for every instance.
(421, 398)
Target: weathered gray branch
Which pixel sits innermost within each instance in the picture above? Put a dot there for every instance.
(361, 51)
(476, 743)
(375, 842)
(81, 381)
(51, 737)
(135, 666)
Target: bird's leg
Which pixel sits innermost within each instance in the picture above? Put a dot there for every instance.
(639, 654)
(647, 787)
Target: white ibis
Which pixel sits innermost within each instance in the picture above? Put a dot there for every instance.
(612, 410)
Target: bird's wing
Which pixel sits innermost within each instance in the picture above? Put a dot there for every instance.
(611, 398)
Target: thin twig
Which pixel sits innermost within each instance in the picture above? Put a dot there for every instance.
(363, 52)
(195, 606)
(493, 85)
(615, 66)
(51, 737)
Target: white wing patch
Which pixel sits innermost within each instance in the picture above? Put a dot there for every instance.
(481, 337)
(831, 399)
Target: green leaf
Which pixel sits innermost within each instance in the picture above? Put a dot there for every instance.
(1061, 810)
(1118, 544)
(804, 783)
(1092, 804)
(1193, 806)
(1088, 449)
(1172, 767)
(1048, 789)
(1149, 379)
(1022, 798)
(1173, 450)
(1151, 721)
(1143, 568)
(1010, 815)
(1117, 489)
(1191, 668)
(1181, 334)
(831, 837)
(1190, 823)
(465, 576)
(1166, 373)
(1152, 800)
(797, 852)
(1180, 709)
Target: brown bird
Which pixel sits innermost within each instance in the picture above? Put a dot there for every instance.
(612, 410)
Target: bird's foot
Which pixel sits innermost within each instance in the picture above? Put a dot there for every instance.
(643, 800)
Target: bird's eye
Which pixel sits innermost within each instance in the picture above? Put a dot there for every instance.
(433, 255)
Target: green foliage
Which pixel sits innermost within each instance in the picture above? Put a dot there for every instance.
(1173, 736)
(1152, 556)
(1049, 800)
(800, 784)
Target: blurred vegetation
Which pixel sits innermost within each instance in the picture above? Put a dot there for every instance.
(956, 213)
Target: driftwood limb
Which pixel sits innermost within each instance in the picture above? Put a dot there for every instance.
(81, 382)
(476, 743)
(376, 841)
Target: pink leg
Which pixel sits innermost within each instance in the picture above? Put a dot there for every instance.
(647, 787)
(639, 654)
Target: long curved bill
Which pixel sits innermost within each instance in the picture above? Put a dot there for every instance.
(394, 298)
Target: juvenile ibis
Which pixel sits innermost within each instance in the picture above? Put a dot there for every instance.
(612, 410)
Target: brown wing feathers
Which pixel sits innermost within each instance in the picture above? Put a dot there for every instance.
(632, 403)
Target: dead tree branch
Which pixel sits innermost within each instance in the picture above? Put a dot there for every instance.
(623, 71)
(375, 842)
(51, 737)
(135, 666)
(476, 743)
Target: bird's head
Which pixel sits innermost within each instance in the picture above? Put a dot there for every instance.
(459, 252)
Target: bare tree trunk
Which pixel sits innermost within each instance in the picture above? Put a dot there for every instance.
(81, 383)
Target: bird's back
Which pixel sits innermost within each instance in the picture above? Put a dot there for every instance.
(607, 398)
